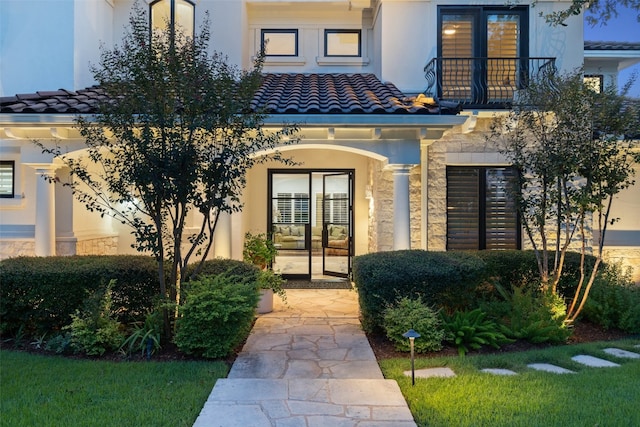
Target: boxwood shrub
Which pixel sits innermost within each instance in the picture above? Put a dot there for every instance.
(40, 294)
(439, 278)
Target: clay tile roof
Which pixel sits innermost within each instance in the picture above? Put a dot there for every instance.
(339, 94)
(600, 45)
(279, 94)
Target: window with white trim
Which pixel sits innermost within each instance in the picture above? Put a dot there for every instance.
(279, 42)
(342, 43)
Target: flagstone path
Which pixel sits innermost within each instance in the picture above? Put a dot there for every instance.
(587, 360)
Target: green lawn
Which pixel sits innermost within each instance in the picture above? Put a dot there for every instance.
(591, 397)
(56, 391)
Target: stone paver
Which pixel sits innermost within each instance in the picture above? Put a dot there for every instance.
(593, 362)
(432, 373)
(623, 354)
(498, 371)
(307, 364)
(548, 367)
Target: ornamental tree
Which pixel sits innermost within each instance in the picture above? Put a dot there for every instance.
(575, 151)
(173, 142)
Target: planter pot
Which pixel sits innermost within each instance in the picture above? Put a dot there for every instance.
(265, 305)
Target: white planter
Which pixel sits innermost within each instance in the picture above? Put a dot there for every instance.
(265, 305)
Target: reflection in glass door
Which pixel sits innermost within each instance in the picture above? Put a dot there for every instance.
(311, 222)
(337, 224)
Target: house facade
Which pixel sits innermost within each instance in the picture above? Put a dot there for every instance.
(393, 98)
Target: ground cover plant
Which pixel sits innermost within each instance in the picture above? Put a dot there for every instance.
(591, 396)
(46, 391)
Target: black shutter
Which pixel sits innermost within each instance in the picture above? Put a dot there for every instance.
(463, 221)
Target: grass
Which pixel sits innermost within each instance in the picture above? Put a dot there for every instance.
(55, 391)
(590, 397)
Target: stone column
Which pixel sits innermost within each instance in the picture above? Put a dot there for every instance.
(424, 189)
(45, 206)
(401, 208)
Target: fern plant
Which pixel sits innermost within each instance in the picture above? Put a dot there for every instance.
(470, 330)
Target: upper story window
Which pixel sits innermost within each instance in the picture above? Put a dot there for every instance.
(481, 50)
(7, 178)
(342, 43)
(172, 14)
(594, 82)
(279, 42)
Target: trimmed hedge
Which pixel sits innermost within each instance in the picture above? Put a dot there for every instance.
(439, 278)
(519, 268)
(40, 294)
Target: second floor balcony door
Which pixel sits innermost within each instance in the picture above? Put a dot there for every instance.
(481, 49)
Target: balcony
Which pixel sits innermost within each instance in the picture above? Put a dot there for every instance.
(483, 82)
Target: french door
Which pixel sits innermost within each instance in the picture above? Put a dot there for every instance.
(481, 49)
(311, 222)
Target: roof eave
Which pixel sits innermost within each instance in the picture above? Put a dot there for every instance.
(365, 120)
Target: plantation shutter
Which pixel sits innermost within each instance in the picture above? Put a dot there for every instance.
(6, 178)
(463, 222)
(501, 218)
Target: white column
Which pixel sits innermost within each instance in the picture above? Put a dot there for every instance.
(222, 236)
(45, 227)
(401, 209)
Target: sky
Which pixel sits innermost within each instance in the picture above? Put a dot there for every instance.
(623, 28)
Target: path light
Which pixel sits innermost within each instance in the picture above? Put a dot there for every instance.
(412, 335)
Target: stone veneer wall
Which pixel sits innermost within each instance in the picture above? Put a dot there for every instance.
(27, 247)
(17, 247)
(98, 246)
(381, 217)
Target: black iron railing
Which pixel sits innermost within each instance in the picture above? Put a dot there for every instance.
(483, 82)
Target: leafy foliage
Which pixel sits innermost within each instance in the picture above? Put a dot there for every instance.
(535, 316)
(259, 250)
(470, 330)
(598, 11)
(145, 336)
(575, 151)
(438, 278)
(217, 314)
(94, 330)
(40, 294)
(413, 314)
(614, 301)
(173, 140)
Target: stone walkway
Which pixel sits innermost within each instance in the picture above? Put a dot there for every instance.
(307, 364)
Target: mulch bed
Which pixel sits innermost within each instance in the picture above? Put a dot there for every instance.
(582, 332)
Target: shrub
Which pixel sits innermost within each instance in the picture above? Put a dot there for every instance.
(534, 316)
(233, 267)
(41, 293)
(614, 301)
(514, 268)
(470, 330)
(413, 314)
(439, 278)
(144, 336)
(94, 329)
(217, 314)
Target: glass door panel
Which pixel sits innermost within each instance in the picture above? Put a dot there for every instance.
(290, 223)
(337, 224)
